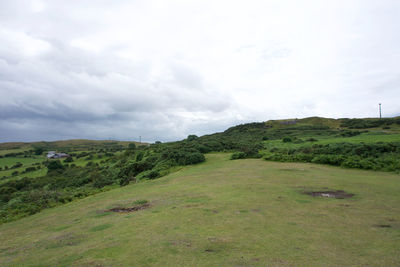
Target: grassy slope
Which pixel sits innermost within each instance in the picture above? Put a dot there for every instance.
(369, 137)
(221, 212)
(27, 162)
(12, 146)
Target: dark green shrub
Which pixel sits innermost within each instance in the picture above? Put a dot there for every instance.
(16, 165)
(238, 155)
(139, 156)
(153, 174)
(54, 165)
(287, 139)
(132, 146)
(125, 180)
(192, 137)
(193, 158)
(38, 150)
(6, 193)
(30, 169)
(69, 159)
(99, 180)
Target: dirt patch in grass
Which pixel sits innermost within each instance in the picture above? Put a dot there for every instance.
(383, 225)
(331, 194)
(130, 209)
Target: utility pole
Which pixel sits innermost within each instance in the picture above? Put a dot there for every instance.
(380, 111)
(140, 138)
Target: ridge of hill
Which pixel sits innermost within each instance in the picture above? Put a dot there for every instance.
(66, 145)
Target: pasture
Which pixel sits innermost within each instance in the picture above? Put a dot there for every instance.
(221, 213)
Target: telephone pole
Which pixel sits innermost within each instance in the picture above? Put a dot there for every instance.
(380, 111)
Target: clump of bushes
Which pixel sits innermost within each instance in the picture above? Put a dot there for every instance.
(374, 156)
(30, 169)
(368, 123)
(16, 165)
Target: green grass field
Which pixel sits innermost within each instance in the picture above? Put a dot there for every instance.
(221, 213)
(6, 175)
(369, 137)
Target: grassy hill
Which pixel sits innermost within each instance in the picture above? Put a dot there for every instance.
(117, 203)
(221, 213)
(64, 145)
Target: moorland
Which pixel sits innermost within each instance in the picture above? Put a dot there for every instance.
(311, 191)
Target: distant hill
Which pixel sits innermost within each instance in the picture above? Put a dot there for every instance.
(277, 129)
(67, 145)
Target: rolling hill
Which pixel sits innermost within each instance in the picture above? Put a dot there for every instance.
(190, 203)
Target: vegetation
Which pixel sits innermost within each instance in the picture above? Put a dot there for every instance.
(368, 123)
(374, 156)
(220, 213)
(31, 183)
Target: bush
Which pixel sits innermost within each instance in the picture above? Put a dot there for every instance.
(287, 139)
(132, 146)
(38, 150)
(16, 165)
(69, 159)
(153, 174)
(30, 169)
(238, 155)
(192, 137)
(194, 158)
(54, 165)
(125, 180)
(99, 180)
(375, 156)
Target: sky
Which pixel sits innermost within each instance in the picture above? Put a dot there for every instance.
(162, 70)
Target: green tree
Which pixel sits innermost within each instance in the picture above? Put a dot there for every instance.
(192, 137)
(55, 165)
(132, 146)
(38, 150)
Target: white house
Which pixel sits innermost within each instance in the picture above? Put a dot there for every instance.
(55, 155)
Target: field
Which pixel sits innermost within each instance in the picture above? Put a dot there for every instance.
(221, 212)
(25, 155)
(369, 137)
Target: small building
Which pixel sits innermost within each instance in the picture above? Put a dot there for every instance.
(55, 155)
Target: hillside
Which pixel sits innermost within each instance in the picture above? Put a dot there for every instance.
(220, 213)
(65, 145)
(252, 198)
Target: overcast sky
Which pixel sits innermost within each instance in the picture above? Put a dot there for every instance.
(165, 69)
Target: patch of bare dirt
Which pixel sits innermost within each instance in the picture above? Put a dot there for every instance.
(340, 194)
(131, 209)
(383, 225)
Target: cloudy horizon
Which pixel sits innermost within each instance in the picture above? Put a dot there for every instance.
(165, 69)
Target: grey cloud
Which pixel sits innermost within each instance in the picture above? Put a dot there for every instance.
(123, 69)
